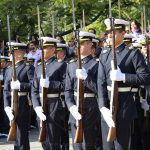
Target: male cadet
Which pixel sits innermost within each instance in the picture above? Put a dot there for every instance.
(4, 122)
(131, 71)
(128, 40)
(61, 52)
(54, 82)
(61, 58)
(91, 112)
(141, 134)
(23, 83)
(94, 47)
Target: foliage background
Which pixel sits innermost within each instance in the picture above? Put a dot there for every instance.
(23, 15)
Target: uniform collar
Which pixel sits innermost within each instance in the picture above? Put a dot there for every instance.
(120, 47)
(19, 63)
(86, 59)
(50, 60)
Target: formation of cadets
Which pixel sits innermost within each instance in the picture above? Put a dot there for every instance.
(132, 75)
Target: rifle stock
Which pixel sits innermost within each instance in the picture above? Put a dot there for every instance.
(14, 94)
(42, 134)
(12, 132)
(80, 98)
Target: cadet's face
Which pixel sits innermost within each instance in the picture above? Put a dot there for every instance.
(119, 36)
(144, 50)
(85, 48)
(60, 54)
(19, 54)
(133, 25)
(48, 52)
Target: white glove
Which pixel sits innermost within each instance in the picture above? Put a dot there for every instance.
(9, 113)
(15, 85)
(74, 111)
(1, 77)
(81, 74)
(44, 82)
(107, 117)
(39, 112)
(117, 75)
(144, 105)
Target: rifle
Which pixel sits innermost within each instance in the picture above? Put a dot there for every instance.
(80, 87)
(114, 92)
(42, 134)
(14, 94)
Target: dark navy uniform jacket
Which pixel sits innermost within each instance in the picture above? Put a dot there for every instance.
(55, 71)
(90, 86)
(130, 62)
(25, 74)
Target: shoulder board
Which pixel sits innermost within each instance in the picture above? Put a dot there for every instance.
(27, 63)
(104, 51)
(39, 63)
(72, 60)
(97, 59)
(59, 60)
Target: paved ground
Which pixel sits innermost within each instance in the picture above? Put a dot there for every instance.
(34, 144)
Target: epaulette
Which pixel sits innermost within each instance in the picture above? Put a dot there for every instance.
(72, 60)
(39, 63)
(97, 59)
(104, 51)
(59, 60)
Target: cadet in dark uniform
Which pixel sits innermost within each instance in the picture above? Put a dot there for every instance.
(24, 75)
(144, 118)
(4, 122)
(132, 71)
(91, 111)
(62, 58)
(61, 52)
(54, 83)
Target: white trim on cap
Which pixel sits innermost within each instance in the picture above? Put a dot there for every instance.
(95, 40)
(117, 21)
(86, 34)
(60, 45)
(129, 36)
(49, 39)
(4, 57)
(16, 44)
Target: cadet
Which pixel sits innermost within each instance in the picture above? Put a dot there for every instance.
(61, 58)
(54, 83)
(91, 111)
(128, 40)
(145, 98)
(4, 122)
(132, 71)
(24, 75)
(61, 52)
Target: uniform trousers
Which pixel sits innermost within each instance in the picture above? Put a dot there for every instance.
(22, 120)
(54, 125)
(123, 131)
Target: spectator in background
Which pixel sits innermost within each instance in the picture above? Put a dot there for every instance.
(136, 30)
(61, 39)
(72, 46)
(34, 52)
(92, 30)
